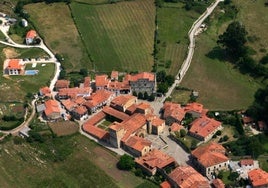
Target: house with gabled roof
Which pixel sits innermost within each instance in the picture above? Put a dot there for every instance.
(137, 146)
(210, 159)
(101, 81)
(195, 109)
(30, 36)
(45, 91)
(173, 112)
(122, 102)
(187, 177)
(203, 128)
(52, 111)
(155, 161)
(13, 67)
(218, 183)
(80, 113)
(60, 84)
(258, 178)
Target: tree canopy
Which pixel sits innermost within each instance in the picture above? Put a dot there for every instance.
(234, 39)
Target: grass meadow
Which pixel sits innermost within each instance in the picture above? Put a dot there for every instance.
(173, 23)
(87, 165)
(253, 14)
(56, 27)
(118, 36)
(221, 86)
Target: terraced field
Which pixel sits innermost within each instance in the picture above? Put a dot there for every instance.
(118, 36)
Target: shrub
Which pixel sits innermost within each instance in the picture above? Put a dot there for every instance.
(126, 162)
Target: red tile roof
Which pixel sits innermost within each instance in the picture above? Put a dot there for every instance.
(133, 124)
(14, 64)
(155, 159)
(96, 131)
(68, 104)
(31, 34)
(195, 107)
(137, 143)
(79, 100)
(143, 75)
(115, 113)
(187, 177)
(116, 126)
(62, 84)
(262, 125)
(176, 127)
(165, 184)
(87, 81)
(99, 97)
(210, 155)
(118, 85)
(95, 119)
(218, 183)
(101, 80)
(173, 110)
(81, 110)
(45, 91)
(258, 178)
(131, 109)
(52, 106)
(246, 162)
(122, 100)
(204, 126)
(247, 119)
(144, 106)
(75, 92)
(156, 121)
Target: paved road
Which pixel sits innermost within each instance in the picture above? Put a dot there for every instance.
(186, 64)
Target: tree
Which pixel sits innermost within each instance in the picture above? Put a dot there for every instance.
(264, 60)
(140, 95)
(169, 79)
(145, 95)
(162, 88)
(134, 93)
(160, 76)
(182, 132)
(83, 72)
(233, 176)
(126, 162)
(234, 39)
(151, 97)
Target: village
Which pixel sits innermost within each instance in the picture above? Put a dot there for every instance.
(108, 111)
(110, 115)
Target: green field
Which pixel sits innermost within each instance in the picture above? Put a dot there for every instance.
(253, 14)
(220, 85)
(86, 164)
(173, 22)
(56, 27)
(118, 36)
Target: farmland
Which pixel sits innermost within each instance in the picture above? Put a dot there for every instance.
(29, 165)
(173, 23)
(59, 34)
(118, 36)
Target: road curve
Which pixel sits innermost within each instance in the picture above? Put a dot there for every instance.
(4, 30)
(186, 64)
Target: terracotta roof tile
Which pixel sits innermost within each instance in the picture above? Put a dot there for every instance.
(137, 143)
(210, 155)
(247, 119)
(165, 184)
(75, 92)
(246, 162)
(157, 121)
(218, 183)
(114, 75)
(258, 178)
(96, 131)
(31, 34)
(155, 159)
(95, 119)
(176, 127)
(187, 177)
(81, 110)
(122, 100)
(68, 104)
(14, 64)
(204, 126)
(101, 80)
(173, 110)
(52, 106)
(45, 91)
(115, 113)
(143, 75)
(87, 81)
(100, 96)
